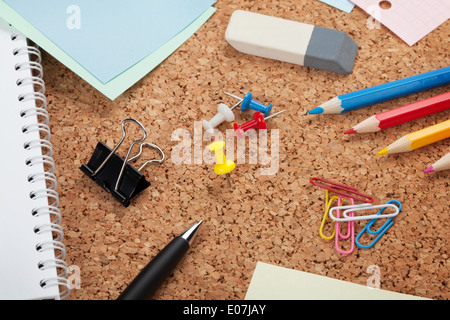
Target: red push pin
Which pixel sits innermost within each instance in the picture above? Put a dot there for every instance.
(258, 122)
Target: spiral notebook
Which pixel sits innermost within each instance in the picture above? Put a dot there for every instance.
(32, 254)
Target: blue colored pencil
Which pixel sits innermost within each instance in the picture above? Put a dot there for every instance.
(384, 92)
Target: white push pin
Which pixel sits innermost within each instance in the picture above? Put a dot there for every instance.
(224, 113)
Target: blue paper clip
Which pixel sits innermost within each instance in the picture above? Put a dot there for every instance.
(381, 230)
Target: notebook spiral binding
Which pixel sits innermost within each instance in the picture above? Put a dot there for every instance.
(48, 176)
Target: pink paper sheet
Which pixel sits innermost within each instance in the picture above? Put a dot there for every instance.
(411, 20)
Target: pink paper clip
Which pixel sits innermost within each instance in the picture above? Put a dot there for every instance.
(350, 231)
(341, 189)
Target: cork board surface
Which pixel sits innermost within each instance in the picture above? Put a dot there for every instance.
(269, 218)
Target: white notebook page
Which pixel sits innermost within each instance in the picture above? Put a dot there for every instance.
(20, 276)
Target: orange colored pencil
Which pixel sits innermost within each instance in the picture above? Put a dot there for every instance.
(419, 138)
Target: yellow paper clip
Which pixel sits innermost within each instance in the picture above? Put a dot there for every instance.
(325, 217)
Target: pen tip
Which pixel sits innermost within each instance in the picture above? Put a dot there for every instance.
(429, 169)
(350, 131)
(318, 110)
(189, 234)
(384, 151)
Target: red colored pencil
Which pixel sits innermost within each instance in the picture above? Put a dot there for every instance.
(403, 114)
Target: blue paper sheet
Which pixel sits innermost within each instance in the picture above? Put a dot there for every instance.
(109, 36)
(344, 5)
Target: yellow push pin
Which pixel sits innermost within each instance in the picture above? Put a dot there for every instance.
(223, 165)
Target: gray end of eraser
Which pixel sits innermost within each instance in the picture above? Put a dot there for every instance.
(331, 50)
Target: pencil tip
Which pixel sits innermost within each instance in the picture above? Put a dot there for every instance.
(317, 110)
(429, 169)
(350, 131)
(384, 151)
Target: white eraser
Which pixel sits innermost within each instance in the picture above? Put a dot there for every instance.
(291, 41)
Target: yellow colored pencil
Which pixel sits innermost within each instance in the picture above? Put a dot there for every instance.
(419, 138)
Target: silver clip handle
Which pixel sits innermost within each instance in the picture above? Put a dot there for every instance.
(119, 179)
(100, 167)
(149, 161)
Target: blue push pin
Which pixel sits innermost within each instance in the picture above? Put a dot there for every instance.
(249, 103)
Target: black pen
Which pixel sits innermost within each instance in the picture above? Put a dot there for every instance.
(154, 273)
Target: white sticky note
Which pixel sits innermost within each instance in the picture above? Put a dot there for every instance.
(270, 282)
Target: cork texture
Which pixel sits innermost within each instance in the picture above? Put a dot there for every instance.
(270, 218)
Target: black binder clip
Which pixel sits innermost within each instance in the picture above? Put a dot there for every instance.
(115, 174)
